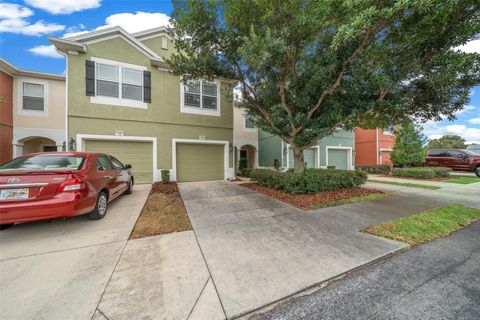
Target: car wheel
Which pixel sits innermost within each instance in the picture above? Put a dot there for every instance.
(130, 187)
(5, 226)
(477, 171)
(100, 207)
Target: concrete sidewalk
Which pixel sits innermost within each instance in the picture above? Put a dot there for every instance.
(259, 250)
(59, 270)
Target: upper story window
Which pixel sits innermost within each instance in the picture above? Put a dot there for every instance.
(249, 124)
(117, 83)
(200, 97)
(33, 96)
(389, 130)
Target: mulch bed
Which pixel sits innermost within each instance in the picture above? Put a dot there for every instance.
(308, 201)
(164, 212)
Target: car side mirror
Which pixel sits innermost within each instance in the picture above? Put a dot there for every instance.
(128, 166)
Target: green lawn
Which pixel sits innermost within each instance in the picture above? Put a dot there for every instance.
(426, 225)
(463, 180)
(372, 196)
(406, 184)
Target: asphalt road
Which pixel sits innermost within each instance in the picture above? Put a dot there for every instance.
(437, 280)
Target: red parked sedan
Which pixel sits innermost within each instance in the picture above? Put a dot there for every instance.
(44, 186)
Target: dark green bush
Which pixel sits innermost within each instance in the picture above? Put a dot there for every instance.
(245, 172)
(242, 163)
(375, 169)
(422, 172)
(310, 181)
(165, 176)
(331, 167)
(419, 173)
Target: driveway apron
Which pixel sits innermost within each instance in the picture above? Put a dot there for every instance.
(260, 250)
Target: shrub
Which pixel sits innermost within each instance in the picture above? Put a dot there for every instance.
(276, 164)
(242, 163)
(165, 176)
(245, 172)
(375, 169)
(422, 172)
(310, 181)
(441, 172)
(419, 173)
(331, 167)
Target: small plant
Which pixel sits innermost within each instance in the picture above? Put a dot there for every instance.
(242, 163)
(375, 169)
(245, 172)
(166, 176)
(276, 165)
(331, 167)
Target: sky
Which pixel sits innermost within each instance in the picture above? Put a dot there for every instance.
(25, 25)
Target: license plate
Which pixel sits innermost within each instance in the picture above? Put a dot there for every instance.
(14, 194)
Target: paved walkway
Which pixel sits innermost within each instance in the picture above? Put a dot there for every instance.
(59, 270)
(439, 280)
(259, 250)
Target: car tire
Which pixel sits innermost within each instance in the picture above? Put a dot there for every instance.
(130, 187)
(6, 226)
(101, 207)
(477, 172)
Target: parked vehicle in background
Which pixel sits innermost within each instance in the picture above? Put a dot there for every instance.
(474, 148)
(454, 158)
(44, 186)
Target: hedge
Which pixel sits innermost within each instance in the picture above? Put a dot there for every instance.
(375, 169)
(422, 172)
(310, 181)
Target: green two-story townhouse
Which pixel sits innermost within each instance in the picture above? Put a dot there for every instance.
(336, 150)
(123, 100)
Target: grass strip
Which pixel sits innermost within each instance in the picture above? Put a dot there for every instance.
(463, 180)
(426, 225)
(407, 184)
(372, 196)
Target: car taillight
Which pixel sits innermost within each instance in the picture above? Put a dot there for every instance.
(72, 184)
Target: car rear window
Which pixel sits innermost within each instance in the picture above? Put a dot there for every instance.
(44, 162)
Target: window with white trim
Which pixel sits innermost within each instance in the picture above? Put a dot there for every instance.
(33, 96)
(249, 124)
(201, 95)
(119, 82)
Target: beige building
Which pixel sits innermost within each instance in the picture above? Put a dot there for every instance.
(38, 110)
(245, 139)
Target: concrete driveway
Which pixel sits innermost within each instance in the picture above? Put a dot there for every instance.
(259, 250)
(59, 270)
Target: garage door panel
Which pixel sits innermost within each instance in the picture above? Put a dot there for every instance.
(136, 153)
(338, 158)
(200, 162)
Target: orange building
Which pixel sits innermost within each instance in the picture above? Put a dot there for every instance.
(6, 116)
(373, 146)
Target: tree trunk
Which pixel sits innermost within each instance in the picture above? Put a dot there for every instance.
(298, 161)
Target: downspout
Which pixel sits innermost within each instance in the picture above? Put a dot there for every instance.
(376, 145)
(66, 99)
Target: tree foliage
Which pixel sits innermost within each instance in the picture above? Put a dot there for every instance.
(408, 147)
(447, 142)
(306, 68)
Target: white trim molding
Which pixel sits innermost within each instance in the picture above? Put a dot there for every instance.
(19, 96)
(81, 138)
(349, 155)
(113, 101)
(200, 110)
(228, 171)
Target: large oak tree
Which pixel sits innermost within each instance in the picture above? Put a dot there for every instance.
(307, 68)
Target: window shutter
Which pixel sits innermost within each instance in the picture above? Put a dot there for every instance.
(147, 87)
(90, 78)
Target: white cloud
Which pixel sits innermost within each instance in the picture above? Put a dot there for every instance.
(470, 47)
(13, 19)
(435, 131)
(474, 121)
(45, 51)
(132, 22)
(63, 6)
(466, 109)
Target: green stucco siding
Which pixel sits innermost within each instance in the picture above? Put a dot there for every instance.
(162, 119)
(269, 149)
(338, 139)
(200, 162)
(309, 156)
(156, 45)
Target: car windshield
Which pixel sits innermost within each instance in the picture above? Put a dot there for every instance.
(44, 162)
(472, 153)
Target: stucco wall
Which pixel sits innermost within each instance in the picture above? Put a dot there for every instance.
(241, 135)
(6, 116)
